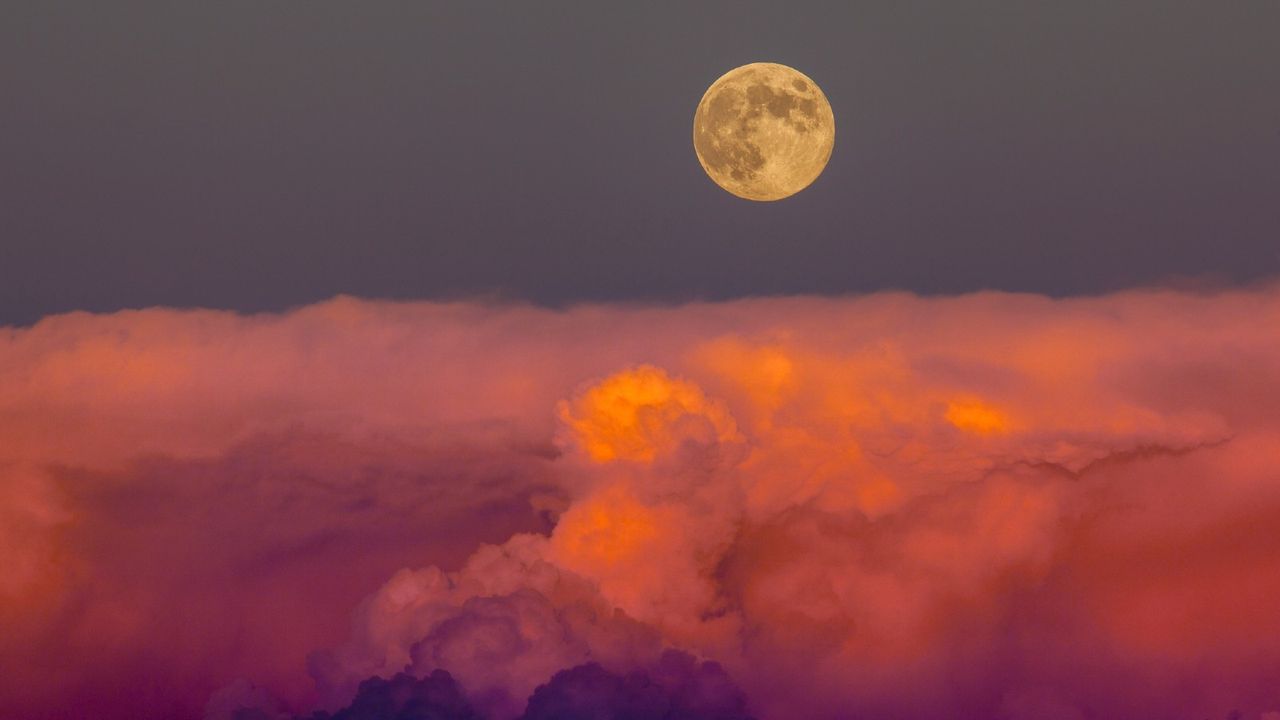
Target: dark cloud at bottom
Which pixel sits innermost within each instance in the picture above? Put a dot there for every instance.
(677, 688)
(404, 697)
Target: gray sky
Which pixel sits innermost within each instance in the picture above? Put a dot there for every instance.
(256, 155)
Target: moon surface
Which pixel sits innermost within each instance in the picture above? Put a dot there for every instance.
(764, 131)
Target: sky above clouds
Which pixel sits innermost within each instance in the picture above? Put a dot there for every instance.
(255, 156)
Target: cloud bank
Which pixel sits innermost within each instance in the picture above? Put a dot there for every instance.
(890, 506)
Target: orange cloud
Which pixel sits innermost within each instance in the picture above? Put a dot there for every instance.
(605, 532)
(985, 506)
(975, 416)
(642, 413)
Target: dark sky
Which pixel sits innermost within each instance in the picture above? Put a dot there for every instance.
(256, 155)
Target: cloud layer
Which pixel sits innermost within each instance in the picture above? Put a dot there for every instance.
(890, 506)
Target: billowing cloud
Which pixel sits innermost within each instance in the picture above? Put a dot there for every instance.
(404, 697)
(985, 506)
(676, 686)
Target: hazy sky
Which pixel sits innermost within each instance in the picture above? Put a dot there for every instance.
(254, 155)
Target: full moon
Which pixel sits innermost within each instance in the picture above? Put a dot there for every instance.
(764, 131)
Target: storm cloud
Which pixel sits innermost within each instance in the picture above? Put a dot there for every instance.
(990, 505)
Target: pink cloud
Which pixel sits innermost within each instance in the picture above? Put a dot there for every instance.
(991, 505)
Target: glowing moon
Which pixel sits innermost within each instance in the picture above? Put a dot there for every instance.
(764, 131)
